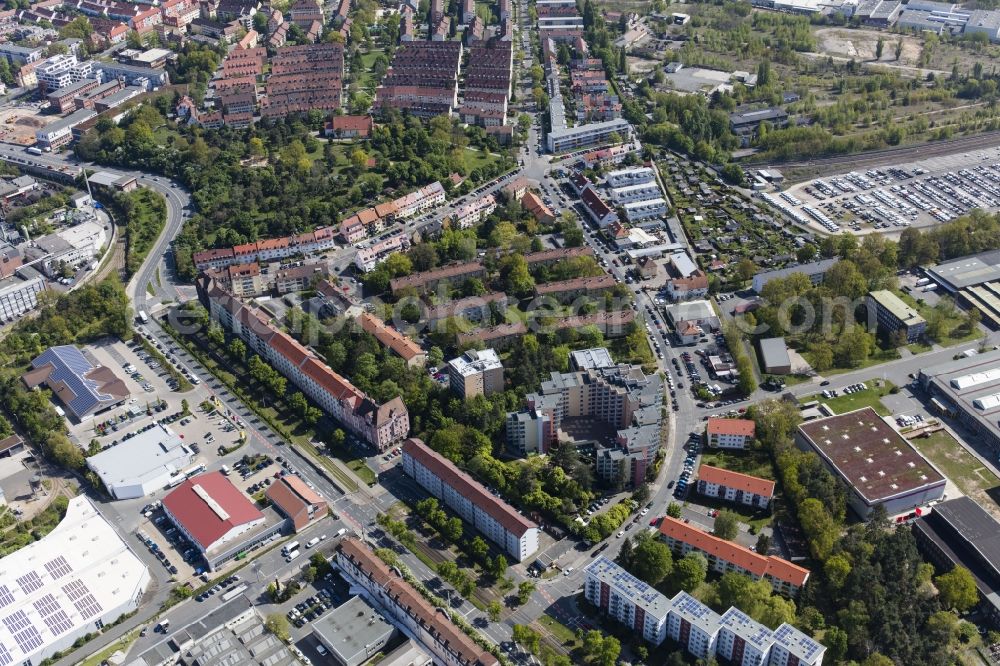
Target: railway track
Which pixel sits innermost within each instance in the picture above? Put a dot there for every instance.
(800, 170)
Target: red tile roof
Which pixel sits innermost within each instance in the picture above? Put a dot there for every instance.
(400, 592)
(594, 202)
(390, 337)
(288, 347)
(198, 517)
(467, 487)
(736, 480)
(727, 551)
(743, 427)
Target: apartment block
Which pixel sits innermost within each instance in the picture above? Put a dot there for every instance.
(786, 578)
(645, 209)
(476, 372)
(730, 433)
(406, 608)
(471, 308)
(893, 316)
(735, 487)
(299, 278)
(474, 212)
(500, 336)
(272, 249)
(632, 193)
(741, 640)
(423, 78)
(693, 625)
(630, 177)
(369, 257)
(567, 290)
(241, 280)
(402, 346)
(490, 515)
(380, 424)
(428, 280)
(627, 599)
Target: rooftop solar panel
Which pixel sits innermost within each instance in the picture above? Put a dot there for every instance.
(58, 622)
(47, 605)
(30, 582)
(28, 639)
(75, 589)
(16, 621)
(88, 606)
(6, 598)
(5, 657)
(58, 567)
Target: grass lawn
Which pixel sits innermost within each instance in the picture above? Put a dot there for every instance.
(880, 356)
(475, 158)
(559, 631)
(753, 462)
(963, 468)
(954, 329)
(366, 79)
(846, 402)
(121, 644)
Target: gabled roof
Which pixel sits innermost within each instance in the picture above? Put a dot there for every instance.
(209, 506)
(744, 427)
(736, 480)
(727, 551)
(82, 386)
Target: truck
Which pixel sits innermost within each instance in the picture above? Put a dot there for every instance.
(930, 287)
(143, 317)
(289, 547)
(922, 281)
(34, 150)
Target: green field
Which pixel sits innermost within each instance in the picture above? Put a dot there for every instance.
(964, 469)
(848, 402)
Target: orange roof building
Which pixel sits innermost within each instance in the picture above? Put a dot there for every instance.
(786, 578)
(730, 433)
(403, 346)
(735, 487)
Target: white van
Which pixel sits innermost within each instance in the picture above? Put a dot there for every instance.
(289, 547)
(342, 531)
(292, 555)
(225, 470)
(312, 542)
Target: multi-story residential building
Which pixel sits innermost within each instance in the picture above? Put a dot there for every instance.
(815, 271)
(405, 607)
(683, 288)
(18, 296)
(146, 78)
(491, 516)
(569, 138)
(304, 77)
(742, 641)
(735, 487)
(730, 433)
(380, 424)
(640, 192)
(428, 280)
(402, 346)
(21, 55)
(299, 278)
(793, 648)
(786, 578)
(476, 372)
(597, 210)
(423, 78)
(369, 257)
(146, 21)
(893, 316)
(567, 290)
(627, 599)
(646, 209)
(62, 70)
(64, 98)
(272, 249)
(630, 177)
(500, 336)
(693, 625)
(471, 308)
(474, 212)
(241, 280)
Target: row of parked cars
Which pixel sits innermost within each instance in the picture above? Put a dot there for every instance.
(232, 580)
(311, 608)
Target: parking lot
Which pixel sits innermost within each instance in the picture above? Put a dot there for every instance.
(892, 198)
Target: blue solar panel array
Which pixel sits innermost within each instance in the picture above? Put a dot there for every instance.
(53, 615)
(6, 598)
(793, 639)
(29, 639)
(5, 657)
(752, 632)
(30, 582)
(58, 567)
(69, 365)
(81, 597)
(692, 606)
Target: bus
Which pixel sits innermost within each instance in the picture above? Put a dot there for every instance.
(143, 318)
(34, 151)
(176, 481)
(233, 593)
(197, 469)
(289, 547)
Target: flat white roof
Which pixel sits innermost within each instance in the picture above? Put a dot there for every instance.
(141, 459)
(475, 361)
(55, 589)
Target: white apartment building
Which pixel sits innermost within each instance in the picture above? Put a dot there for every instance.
(693, 624)
(627, 599)
(632, 193)
(734, 636)
(742, 641)
(646, 209)
(62, 70)
(730, 433)
(627, 177)
(426, 197)
(528, 431)
(476, 372)
(735, 487)
(495, 519)
(369, 257)
(561, 140)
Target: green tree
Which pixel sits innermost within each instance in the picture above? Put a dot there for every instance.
(879, 48)
(689, 572)
(674, 510)
(957, 589)
(524, 591)
(493, 610)
(727, 525)
(277, 624)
